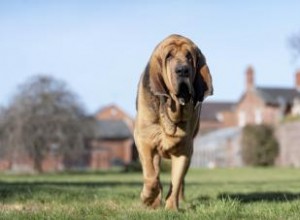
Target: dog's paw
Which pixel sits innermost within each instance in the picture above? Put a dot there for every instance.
(151, 197)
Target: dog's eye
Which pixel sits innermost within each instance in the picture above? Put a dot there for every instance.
(189, 57)
(169, 56)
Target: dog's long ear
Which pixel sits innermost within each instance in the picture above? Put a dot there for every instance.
(203, 81)
(155, 71)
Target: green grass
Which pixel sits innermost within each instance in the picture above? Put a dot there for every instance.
(248, 193)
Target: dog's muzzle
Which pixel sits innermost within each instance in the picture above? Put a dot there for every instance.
(184, 93)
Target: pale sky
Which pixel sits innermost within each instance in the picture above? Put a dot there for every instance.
(100, 48)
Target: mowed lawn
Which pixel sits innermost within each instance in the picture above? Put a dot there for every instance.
(248, 193)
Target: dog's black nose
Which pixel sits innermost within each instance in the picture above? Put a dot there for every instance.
(182, 70)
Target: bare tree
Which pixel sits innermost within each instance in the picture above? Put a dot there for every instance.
(43, 116)
(295, 43)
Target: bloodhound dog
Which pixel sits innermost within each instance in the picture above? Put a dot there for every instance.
(170, 94)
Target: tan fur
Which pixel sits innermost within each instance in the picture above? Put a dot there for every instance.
(166, 120)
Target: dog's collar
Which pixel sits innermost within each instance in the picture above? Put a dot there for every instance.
(163, 95)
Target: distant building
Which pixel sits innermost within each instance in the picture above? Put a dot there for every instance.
(216, 115)
(219, 142)
(112, 112)
(112, 143)
(257, 105)
(266, 105)
(289, 140)
(109, 144)
(220, 148)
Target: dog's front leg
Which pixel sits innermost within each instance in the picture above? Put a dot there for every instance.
(179, 167)
(152, 189)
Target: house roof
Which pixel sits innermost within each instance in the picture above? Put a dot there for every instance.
(277, 96)
(210, 110)
(111, 129)
(111, 112)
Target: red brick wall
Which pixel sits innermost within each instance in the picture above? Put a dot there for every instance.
(52, 163)
(271, 115)
(103, 152)
(208, 126)
(119, 149)
(100, 159)
(289, 141)
(251, 105)
(4, 164)
(229, 119)
(247, 106)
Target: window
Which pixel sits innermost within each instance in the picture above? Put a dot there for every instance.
(242, 119)
(258, 116)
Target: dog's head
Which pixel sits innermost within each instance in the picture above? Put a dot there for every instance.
(178, 69)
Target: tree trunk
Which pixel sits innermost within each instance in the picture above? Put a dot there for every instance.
(37, 159)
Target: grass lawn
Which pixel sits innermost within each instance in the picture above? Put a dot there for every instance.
(249, 193)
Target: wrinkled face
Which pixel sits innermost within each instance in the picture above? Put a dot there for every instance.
(179, 61)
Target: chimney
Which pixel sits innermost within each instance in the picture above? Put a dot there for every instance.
(250, 78)
(297, 81)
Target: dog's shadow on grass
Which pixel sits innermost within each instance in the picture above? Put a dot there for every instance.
(260, 197)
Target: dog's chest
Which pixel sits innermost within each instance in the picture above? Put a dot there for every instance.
(175, 119)
(173, 144)
(174, 135)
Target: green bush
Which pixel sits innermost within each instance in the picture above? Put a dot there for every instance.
(259, 145)
(134, 166)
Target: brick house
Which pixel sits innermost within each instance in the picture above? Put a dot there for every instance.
(266, 105)
(20, 161)
(112, 112)
(257, 105)
(112, 143)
